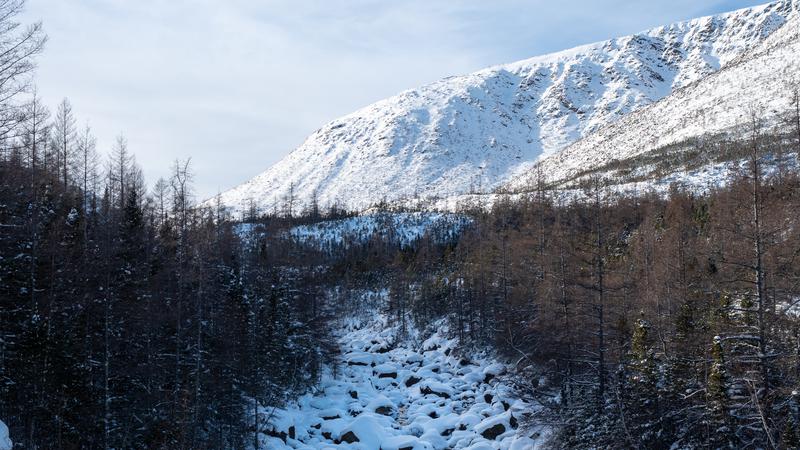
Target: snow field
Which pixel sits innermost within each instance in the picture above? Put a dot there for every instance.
(5, 440)
(388, 395)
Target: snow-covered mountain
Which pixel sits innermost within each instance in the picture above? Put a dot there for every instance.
(474, 133)
(721, 103)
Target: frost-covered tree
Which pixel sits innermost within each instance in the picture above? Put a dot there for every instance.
(63, 139)
(19, 46)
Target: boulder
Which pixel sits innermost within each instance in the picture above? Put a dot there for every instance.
(384, 410)
(427, 391)
(491, 433)
(412, 380)
(350, 438)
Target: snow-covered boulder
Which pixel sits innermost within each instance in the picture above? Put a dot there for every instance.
(385, 371)
(523, 443)
(362, 359)
(366, 430)
(494, 426)
(412, 380)
(493, 371)
(414, 358)
(381, 405)
(428, 387)
(280, 425)
(404, 442)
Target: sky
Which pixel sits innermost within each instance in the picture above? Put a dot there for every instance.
(238, 84)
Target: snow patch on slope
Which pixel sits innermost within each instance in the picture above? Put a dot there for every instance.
(401, 228)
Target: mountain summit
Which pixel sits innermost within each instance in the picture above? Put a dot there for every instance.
(476, 132)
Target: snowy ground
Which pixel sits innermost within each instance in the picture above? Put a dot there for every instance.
(388, 395)
(5, 441)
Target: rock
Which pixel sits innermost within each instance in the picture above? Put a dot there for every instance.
(331, 417)
(492, 433)
(412, 380)
(384, 410)
(488, 398)
(350, 437)
(282, 435)
(366, 429)
(513, 422)
(291, 432)
(427, 391)
(414, 358)
(388, 375)
(354, 395)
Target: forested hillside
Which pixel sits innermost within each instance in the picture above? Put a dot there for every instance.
(647, 321)
(129, 318)
(644, 322)
(129, 321)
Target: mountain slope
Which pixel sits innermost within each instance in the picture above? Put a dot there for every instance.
(718, 104)
(475, 132)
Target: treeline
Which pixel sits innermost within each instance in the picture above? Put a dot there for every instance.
(130, 317)
(133, 319)
(645, 322)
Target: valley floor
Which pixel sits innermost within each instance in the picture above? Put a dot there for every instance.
(403, 395)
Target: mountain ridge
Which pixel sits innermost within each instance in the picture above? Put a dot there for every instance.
(476, 132)
(714, 105)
